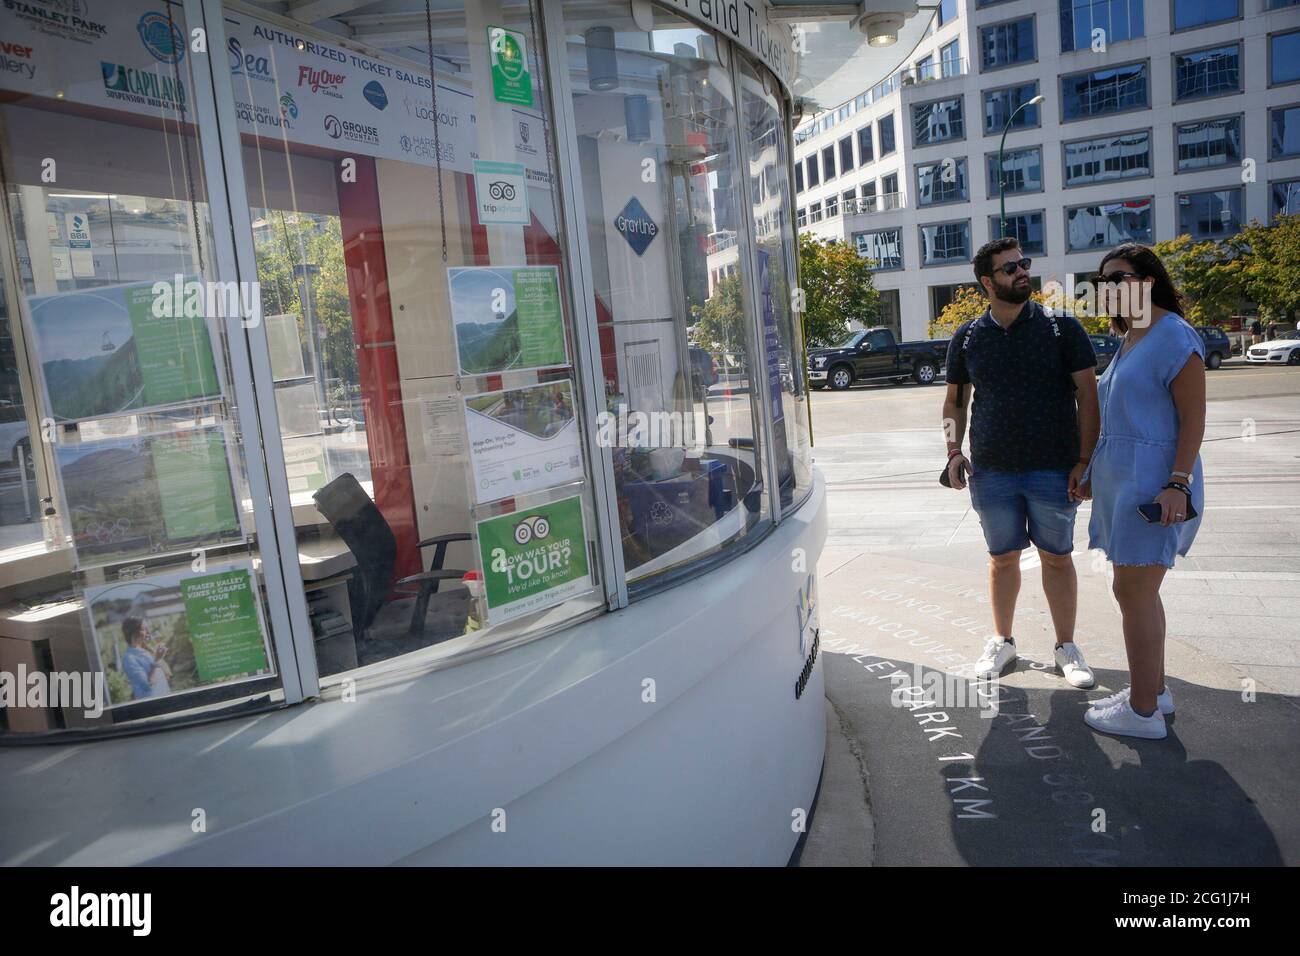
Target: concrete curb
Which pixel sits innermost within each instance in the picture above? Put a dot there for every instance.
(842, 832)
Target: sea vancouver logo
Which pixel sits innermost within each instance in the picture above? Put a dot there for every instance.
(142, 87)
(251, 65)
(161, 37)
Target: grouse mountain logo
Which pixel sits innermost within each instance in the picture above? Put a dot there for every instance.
(351, 131)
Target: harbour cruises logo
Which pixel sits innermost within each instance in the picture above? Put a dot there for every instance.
(142, 87)
(161, 37)
(424, 147)
(65, 19)
(321, 81)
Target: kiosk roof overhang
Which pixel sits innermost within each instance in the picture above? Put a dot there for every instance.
(836, 60)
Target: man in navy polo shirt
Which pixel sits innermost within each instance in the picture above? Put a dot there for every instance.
(1034, 426)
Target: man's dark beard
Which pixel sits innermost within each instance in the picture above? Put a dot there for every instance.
(1011, 294)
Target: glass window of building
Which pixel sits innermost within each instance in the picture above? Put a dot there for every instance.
(815, 212)
(865, 152)
(1189, 14)
(945, 242)
(136, 535)
(1000, 105)
(846, 154)
(850, 197)
(764, 122)
(938, 122)
(885, 127)
(942, 181)
(421, 326)
(1098, 92)
(1028, 227)
(1021, 171)
(884, 247)
(1284, 132)
(1108, 224)
(1284, 58)
(1211, 72)
(1284, 197)
(1006, 44)
(1118, 19)
(1211, 214)
(924, 68)
(947, 12)
(890, 198)
(832, 206)
(1105, 158)
(1207, 143)
(828, 163)
(676, 341)
(1279, 4)
(798, 177)
(950, 58)
(814, 172)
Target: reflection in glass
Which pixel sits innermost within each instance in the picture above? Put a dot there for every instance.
(1120, 156)
(1022, 171)
(945, 242)
(1104, 91)
(1213, 214)
(1207, 143)
(938, 121)
(1109, 224)
(671, 290)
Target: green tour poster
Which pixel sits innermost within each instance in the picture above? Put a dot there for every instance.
(224, 627)
(534, 558)
(103, 352)
(506, 318)
(193, 475)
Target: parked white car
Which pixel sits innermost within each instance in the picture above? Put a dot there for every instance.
(1279, 351)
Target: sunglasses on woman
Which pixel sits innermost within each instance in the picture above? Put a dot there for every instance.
(1115, 278)
(1009, 268)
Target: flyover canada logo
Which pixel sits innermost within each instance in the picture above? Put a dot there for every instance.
(321, 81)
(161, 37)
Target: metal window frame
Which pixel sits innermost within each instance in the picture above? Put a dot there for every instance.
(1274, 155)
(997, 130)
(1177, 127)
(254, 384)
(1273, 213)
(1032, 17)
(1174, 29)
(960, 100)
(1150, 174)
(1176, 55)
(956, 260)
(1239, 190)
(995, 217)
(1065, 222)
(1272, 83)
(1144, 62)
(990, 158)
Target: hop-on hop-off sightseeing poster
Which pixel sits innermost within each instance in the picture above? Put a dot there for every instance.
(507, 318)
(103, 351)
(534, 558)
(172, 633)
(522, 440)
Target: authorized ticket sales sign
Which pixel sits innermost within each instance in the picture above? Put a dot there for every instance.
(534, 558)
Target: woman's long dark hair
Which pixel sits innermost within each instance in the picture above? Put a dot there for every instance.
(1148, 265)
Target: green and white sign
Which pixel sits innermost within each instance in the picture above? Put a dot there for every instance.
(508, 54)
(222, 613)
(534, 558)
(501, 193)
(506, 318)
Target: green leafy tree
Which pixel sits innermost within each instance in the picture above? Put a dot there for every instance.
(969, 303)
(720, 321)
(1268, 262)
(291, 240)
(1207, 273)
(837, 289)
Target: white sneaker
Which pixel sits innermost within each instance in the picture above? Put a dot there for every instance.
(1123, 721)
(998, 654)
(1073, 668)
(1164, 700)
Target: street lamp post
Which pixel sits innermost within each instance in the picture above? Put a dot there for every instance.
(1002, 175)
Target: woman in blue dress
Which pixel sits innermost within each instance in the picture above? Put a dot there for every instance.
(1152, 399)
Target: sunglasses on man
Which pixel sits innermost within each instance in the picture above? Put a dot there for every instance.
(1009, 268)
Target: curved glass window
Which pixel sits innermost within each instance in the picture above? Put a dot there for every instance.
(656, 119)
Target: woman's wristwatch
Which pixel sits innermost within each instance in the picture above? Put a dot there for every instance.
(1182, 475)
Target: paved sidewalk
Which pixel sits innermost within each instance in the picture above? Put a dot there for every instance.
(903, 589)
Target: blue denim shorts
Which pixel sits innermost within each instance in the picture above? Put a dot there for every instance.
(1018, 508)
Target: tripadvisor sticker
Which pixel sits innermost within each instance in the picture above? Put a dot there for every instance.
(508, 54)
(534, 558)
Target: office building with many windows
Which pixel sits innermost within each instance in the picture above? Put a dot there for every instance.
(1158, 118)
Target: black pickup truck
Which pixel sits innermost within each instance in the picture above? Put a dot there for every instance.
(872, 354)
